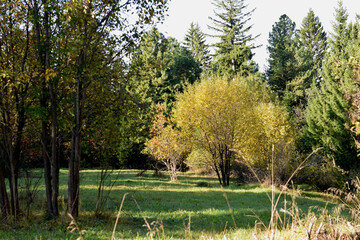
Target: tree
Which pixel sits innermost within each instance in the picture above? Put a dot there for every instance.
(166, 144)
(314, 39)
(45, 16)
(91, 25)
(281, 54)
(216, 116)
(196, 44)
(17, 74)
(327, 115)
(309, 48)
(355, 99)
(159, 68)
(233, 52)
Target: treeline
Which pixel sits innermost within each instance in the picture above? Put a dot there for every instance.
(90, 84)
(63, 88)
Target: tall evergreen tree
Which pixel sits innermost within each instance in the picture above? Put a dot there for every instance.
(281, 50)
(196, 44)
(309, 48)
(314, 39)
(327, 117)
(233, 52)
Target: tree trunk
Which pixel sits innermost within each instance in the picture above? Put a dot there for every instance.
(4, 199)
(217, 173)
(53, 131)
(74, 163)
(47, 172)
(49, 142)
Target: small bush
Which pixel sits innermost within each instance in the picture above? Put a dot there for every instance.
(321, 174)
(203, 184)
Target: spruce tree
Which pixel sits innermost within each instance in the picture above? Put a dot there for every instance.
(281, 50)
(233, 52)
(196, 44)
(327, 115)
(314, 39)
(309, 47)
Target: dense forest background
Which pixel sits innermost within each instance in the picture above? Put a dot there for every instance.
(93, 84)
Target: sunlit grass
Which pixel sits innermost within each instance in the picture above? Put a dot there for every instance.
(169, 207)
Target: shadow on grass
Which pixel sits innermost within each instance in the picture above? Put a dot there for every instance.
(172, 203)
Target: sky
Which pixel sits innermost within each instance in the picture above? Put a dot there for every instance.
(182, 12)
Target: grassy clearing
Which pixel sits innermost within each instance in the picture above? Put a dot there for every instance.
(191, 208)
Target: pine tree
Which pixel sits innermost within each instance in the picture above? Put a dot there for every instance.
(314, 39)
(309, 48)
(281, 50)
(196, 44)
(233, 52)
(327, 115)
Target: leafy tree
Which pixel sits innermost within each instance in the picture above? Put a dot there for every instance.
(44, 17)
(166, 143)
(208, 113)
(159, 68)
(327, 116)
(91, 24)
(17, 74)
(217, 116)
(196, 44)
(233, 52)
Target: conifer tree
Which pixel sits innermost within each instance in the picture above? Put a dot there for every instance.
(309, 47)
(327, 117)
(281, 50)
(196, 44)
(233, 52)
(314, 39)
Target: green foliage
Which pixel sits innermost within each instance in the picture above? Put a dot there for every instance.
(233, 52)
(327, 116)
(281, 54)
(195, 43)
(295, 61)
(159, 68)
(314, 39)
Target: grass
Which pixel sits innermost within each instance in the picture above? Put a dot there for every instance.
(191, 208)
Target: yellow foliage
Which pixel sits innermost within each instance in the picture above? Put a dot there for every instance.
(219, 115)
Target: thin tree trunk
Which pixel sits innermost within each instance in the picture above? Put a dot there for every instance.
(4, 199)
(53, 130)
(217, 173)
(74, 163)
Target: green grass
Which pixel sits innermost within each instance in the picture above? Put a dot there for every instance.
(167, 206)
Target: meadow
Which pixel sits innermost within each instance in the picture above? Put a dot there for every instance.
(194, 207)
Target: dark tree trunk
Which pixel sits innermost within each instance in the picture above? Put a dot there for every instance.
(74, 163)
(48, 136)
(4, 199)
(47, 172)
(53, 131)
(217, 173)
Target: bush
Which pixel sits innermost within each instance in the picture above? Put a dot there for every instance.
(321, 174)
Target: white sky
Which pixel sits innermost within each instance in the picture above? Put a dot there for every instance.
(182, 12)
